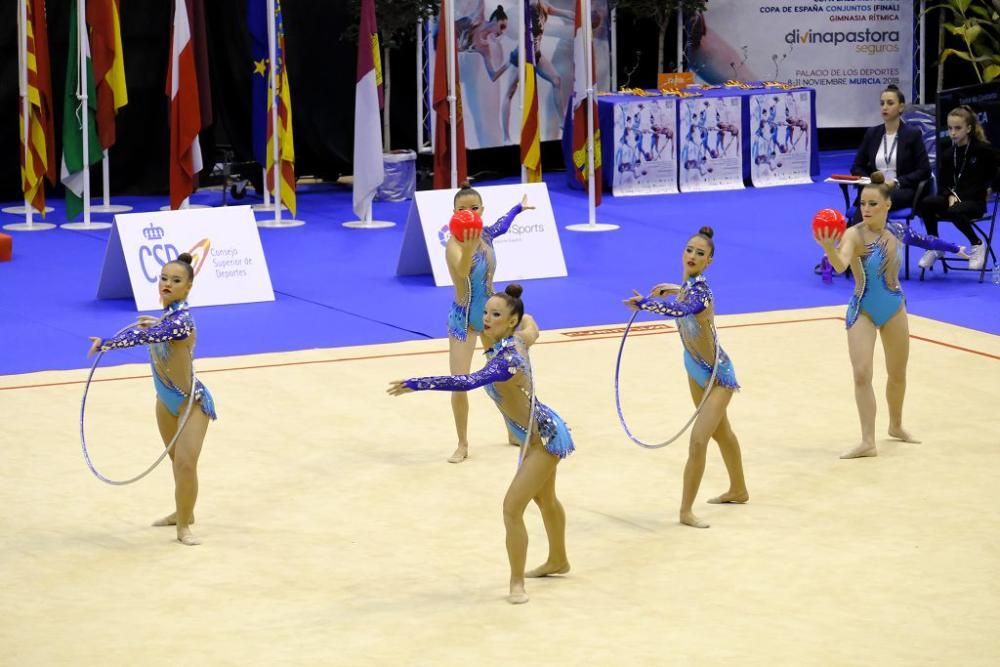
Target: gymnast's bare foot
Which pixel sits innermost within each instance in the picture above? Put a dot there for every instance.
(547, 568)
(184, 536)
(901, 434)
(862, 450)
(689, 519)
(734, 497)
(169, 520)
(461, 453)
(517, 594)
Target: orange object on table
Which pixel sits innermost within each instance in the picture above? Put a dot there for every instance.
(6, 247)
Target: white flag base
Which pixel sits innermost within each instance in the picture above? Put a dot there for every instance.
(267, 207)
(110, 208)
(21, 210)
(33, 227)
(167, 207)
(592, 227)
(84, 226)
(281, 224)
(369, 224)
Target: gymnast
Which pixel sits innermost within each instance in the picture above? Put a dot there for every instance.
(693, 307)
(171, 341)
(872, 251)
(471, 263)
(508, 380)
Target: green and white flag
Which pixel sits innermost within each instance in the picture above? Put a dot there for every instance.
(72, 162)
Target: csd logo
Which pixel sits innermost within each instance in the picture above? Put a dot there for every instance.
(153, 257)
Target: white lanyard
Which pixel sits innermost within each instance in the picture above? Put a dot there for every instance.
(887, 151)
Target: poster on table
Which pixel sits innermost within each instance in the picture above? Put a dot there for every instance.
(780, 149)
(848, 50)
(488, 34)
(645, 155)
(711, 154)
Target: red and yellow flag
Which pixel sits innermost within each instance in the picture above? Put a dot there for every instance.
(108, 59)
(286, 142)
(38, 155)
(531, 147)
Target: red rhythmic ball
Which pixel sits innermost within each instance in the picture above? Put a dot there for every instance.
(829, 220)
(464, 221)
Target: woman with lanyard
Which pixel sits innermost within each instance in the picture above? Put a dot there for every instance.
(965, 171)
(895, 149)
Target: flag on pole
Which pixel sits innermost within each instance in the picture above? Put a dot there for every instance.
(38, 155)
(185, 110)
(109, 65)
(369, 171)
(442, 136)
(262, 99)
(531, 147)
(579, 108)
(73, 164)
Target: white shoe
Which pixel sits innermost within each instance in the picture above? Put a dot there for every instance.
(977, 256)
(929, 257)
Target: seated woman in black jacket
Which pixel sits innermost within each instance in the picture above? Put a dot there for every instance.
(895, 149)
(966, 170)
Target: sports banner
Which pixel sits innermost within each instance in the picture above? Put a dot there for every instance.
(489, 36)
(711, 151)
(848, 50)
(530, 248)
(780, 149)
(645, 155)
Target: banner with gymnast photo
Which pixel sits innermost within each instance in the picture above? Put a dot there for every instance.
(488, 33)
(711, 154)
(780, 150)
(645, 155)
(847, 50)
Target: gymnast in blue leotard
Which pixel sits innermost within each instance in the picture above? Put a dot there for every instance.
(693, 306)
(508, 379)
(471, 263)
(171, 345)
(873, 250)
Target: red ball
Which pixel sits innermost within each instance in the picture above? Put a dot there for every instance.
(829, 220)
(463, 222)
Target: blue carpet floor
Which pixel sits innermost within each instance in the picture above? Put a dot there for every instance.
(336, 287)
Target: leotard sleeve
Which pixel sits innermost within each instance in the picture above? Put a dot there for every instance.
(695, 300)
(498, 369)
(500, 227)
(175, 326)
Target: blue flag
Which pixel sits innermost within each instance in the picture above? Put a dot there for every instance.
(261, 68)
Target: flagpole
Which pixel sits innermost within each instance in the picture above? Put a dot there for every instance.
(83, 41)
(588, 58)
(522, 74)
(420, 86)
(272, 47)
(29, 225)
(107, 206)
(449, 28)
(614, 49)
(268, 205)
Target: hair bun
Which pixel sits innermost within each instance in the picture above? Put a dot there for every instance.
(877, 178)
(185, 257)
(465, 185)
(707, 231)
(892, 86)
(514, 290)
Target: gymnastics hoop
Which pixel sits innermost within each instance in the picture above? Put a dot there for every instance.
(618, 399)
(83, 411)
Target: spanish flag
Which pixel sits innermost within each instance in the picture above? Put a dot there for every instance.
(531, 147)
(109, 65)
